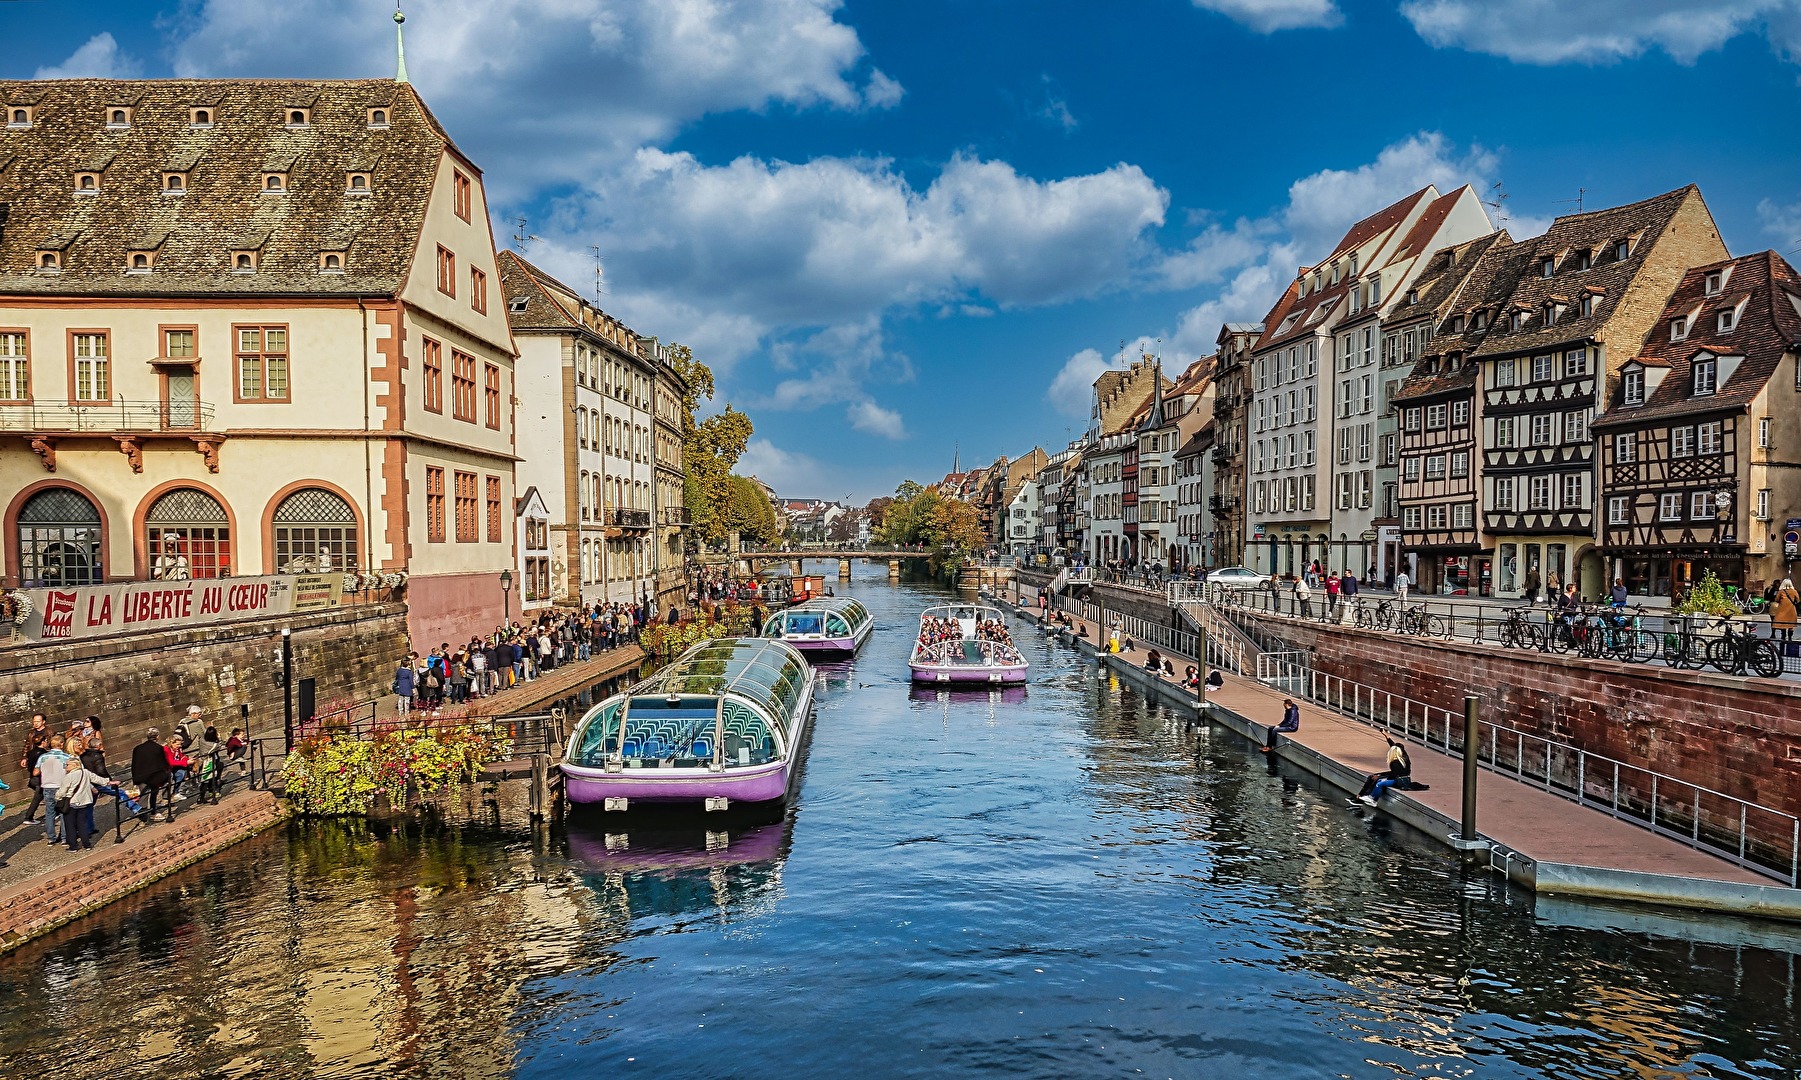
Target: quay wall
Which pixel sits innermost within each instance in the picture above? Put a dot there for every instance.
(1740, 737)
(37, 906)
(136, 681)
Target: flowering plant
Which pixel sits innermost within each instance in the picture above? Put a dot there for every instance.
(336, 775)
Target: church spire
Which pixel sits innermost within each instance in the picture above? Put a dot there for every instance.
(956, 457)
(399, 44)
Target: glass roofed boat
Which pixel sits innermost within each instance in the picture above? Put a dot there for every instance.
(828, 624)
(965, 644)
(722, 723)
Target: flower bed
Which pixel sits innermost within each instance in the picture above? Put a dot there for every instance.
(338, 775)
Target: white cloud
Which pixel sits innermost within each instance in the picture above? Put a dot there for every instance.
(1268, 16)
(558, 89)
(868, 416)
(1072, 389)
(1782, 222)
(786, 471)
(1601, 31)
(98, 58)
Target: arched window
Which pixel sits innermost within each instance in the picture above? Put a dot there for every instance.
(59, 539)
(315, 532)
(187, 535)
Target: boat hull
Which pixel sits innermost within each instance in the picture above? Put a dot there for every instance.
(752, 784)
(968, 675)
(840, 646)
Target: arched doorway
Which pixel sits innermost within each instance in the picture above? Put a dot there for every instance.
(187, 534)
(59, 539)
(314, 531)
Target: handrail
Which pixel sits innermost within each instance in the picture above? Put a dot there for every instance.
(1756, 837)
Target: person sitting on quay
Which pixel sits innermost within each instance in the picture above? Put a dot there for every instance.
(180, 766)
(1153, 662)
(1291, 722)
(1398, 774)
(1214, 681)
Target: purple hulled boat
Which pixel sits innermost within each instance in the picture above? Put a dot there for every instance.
(965, 645)
(830, 625)
(723, 723)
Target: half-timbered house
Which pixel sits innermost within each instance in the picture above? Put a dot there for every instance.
(1699, 441)
(1595, 284)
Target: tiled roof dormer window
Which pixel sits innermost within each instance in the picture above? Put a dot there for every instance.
(1481, 319)
(1547, 266)
(243, 262)
(356, 183)
(1553, 312)
(299, 117)
(1632, 386)
(1716, 280)
(1728, 320)
(1413, 296)
(275, 183)
(118, 118)
(50, 262)
(1584, 259)
(1590, 302)
(1622, 250)
(1457, 324)
(140, 262)
(201, 117)
(18, 116)
(1706, 376)
(175, 183)
(87, 183)
(1679, 329)
(378, 118)
(1518, 322)
(517, 305)
(331, 262)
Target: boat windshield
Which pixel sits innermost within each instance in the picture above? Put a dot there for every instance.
(834, 616)
(676, 713)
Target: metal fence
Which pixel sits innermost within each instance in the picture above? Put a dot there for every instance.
(1758, 838)
(1631, 635)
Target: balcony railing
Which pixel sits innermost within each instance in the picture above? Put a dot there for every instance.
(1222, 455)
(629, 519)
(677, 515)
(108, 416)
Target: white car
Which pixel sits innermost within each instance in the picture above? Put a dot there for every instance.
(1238, 577)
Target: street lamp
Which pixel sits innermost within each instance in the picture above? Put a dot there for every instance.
(506, 597)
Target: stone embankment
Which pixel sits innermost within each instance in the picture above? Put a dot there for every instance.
(113, 870)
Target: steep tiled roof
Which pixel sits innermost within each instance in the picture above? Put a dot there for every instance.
(1596, 232)
(530, 304)
(224, 208)
(1378, 223)
(1427, 226)
(1491, 277)
(1769, 326)
(1442, 278)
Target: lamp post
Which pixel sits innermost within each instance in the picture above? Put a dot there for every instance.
(506, 597)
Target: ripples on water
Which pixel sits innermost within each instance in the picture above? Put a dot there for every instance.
(1059, 882)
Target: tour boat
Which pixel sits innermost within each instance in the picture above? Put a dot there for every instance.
(965, 659)
(723, 723)
(827, 624)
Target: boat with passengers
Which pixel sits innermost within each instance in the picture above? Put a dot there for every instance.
(723, 723)
(836, 625)
(965, 644)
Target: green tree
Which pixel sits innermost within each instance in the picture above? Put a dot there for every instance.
(711, 447)
(746, 511)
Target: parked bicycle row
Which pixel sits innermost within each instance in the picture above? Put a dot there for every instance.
(1628, 634)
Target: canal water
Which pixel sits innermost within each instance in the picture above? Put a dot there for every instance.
(1058, 882)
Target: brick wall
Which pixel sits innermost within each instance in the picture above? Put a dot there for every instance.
(135, 681)
(1741, 737)
(105, 874)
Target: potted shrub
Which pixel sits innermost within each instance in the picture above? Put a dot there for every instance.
(1706, 602)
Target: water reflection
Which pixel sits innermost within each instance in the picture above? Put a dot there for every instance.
(674, 870)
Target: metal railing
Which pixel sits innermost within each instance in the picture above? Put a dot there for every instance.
(523, 735)
(629, 519)
(1758, 838)
(118, 415)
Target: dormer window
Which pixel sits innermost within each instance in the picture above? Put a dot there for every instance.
(1590, 302)
(1622, 250)
(18, 116)
(1632, 387)
(200, 118)
(1706, 375)
(356, 183)
(140, 262)
(118, 118)
(1334, 273)
(243, 262)
(331, 262)
(1413, 296)
(1481, 319)
(1353, 271)
(1716, 280)
(517, 305)
(299, 118)
(50, 262)
(1679, 329)
(1552, 313)
(1547, 266)
(1728, 320)
(1519, 321)
(275, 183)
(1457, 324)
(87, 183)
(378, 118)
(175, 183)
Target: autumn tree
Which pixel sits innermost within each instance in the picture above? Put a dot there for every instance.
(711, 446)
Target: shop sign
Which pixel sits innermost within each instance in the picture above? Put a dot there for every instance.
(97, 611)
(1368, 535)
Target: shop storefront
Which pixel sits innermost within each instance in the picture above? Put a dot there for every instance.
(1536, 567)
(1453, 572)
(1665, 574)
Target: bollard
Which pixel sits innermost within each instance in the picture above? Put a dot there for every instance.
(1472, 756)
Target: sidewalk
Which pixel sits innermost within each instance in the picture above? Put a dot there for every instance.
(1565, 840)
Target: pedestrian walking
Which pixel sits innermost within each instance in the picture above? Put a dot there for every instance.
(1303, 598)
(76, 800)
(1785, 606)
(52, 765)
(405, 684)
(37, 740)
(1333, 585)
(1401, 584)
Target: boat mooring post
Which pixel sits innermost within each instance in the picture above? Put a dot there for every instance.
(1200, 671)
(1471, 845)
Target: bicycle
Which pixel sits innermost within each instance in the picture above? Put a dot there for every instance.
(1734, 652)
(1419, 621)
(1520, 632)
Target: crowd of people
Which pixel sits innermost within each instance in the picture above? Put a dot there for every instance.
(69, 771)
(510, 655)
(993, 630)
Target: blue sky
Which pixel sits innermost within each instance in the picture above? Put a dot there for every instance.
(894, 228)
